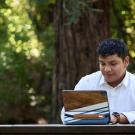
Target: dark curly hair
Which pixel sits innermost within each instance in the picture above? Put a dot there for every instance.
(112, 46)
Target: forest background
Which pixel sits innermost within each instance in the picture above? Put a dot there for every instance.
(48, 45)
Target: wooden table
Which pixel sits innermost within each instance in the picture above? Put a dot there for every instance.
(57, 129)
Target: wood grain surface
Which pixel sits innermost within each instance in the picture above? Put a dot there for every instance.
(78, 99)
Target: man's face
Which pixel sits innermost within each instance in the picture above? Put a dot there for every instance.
(113, 68)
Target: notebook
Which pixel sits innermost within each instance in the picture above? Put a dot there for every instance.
(86, 107)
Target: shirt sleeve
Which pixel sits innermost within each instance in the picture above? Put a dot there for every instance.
(82, 84)
(130, 116)
(62, 115)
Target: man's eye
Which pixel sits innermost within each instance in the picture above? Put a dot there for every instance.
(102, 64)
(113, 64)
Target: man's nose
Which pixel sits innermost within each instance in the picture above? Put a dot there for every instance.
(107, 68)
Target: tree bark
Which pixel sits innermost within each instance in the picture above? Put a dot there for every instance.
(76, 49)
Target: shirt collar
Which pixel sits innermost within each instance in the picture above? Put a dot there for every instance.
(124, 81)
(102, 81)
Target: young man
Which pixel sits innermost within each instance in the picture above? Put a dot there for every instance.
(115, 79)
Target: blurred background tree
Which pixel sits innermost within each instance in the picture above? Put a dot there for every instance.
(47, 45)
(26, 62)
(81, 25)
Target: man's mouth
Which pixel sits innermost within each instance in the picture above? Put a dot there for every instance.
(108, 75)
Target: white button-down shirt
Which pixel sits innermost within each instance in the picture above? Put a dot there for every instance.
(121, 98)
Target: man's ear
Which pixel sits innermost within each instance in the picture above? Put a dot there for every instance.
(126, 61)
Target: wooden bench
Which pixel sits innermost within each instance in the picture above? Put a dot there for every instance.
(57, 129)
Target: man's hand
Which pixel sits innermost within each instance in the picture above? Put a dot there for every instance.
(121, 120)
(113, 119)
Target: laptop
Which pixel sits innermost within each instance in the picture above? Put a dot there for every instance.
(86, 107)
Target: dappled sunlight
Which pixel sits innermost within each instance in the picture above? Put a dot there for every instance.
(35, 99)
(42, 121)
(25, 57)
(129, 30)
(22, 36)
(132, 53)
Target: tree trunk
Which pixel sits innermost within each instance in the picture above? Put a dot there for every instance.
(76, 49)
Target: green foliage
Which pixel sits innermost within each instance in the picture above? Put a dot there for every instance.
(123, 25)
(123, 22)
(26, 63)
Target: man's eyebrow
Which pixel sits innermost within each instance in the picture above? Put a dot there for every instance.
(100, 61)
(113, 61)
